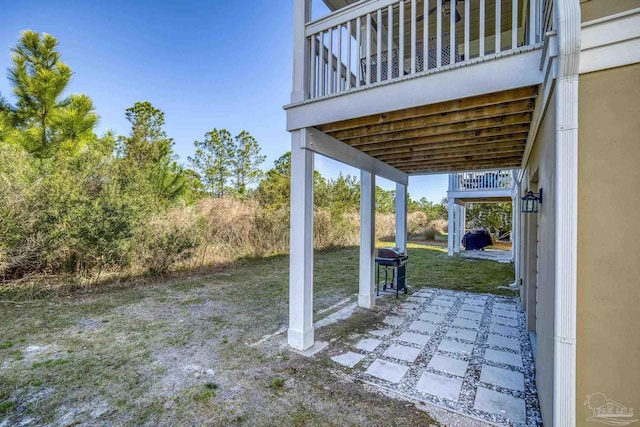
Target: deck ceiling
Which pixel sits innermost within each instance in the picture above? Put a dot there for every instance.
(481, 132)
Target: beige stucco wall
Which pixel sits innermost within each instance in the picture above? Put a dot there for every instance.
(608, 342)
(540, 173)
(593, 9)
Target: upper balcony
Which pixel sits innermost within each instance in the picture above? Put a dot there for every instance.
(487, 186)
(373, 56)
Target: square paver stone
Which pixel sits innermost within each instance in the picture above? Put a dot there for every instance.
(437, 309)
(505, 313)
(409, 306)
(499, 403)
(464, 314)
(466, 323)
(439, 385)
(349, 359)
(415, 299)
(475, 301)
(503, 357)
(388, 371)
(402, 352)
(431, 317)
(474, 308)
(421, 326)
(381, 332)
(502, 377)
(419, 339)
(500, 341)
(504, 321)
(448, 297)
(455, 347)
(448, 364)
(368, 344)
(504, 306)
(442, 302)
(393, 320)
(462, 334)
(505, 330)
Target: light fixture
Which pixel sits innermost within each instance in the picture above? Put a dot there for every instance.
(531, 201)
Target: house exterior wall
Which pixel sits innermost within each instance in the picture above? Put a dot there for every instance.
(540, 173)
(608, 342)
(594, 9)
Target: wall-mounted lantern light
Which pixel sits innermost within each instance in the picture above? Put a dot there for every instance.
(531, 201)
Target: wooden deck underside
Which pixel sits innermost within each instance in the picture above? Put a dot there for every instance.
(482, 132)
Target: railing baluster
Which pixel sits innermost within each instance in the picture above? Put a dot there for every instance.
(401, 40)
(452, 33)
(413, 36)
(330, 66)
(312, 68)
(359, 51)
(498, 24)
(339, 77)
(532, 22)
(347, 84)
(379, 50)
(321, 67)
(514, 24)
(482, 17)
(467, 8)
(425, 36)
(390, 42)
(439, 33)
(368, 72)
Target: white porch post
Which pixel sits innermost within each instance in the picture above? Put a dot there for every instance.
(300, 334)
(401, 217)
(568, 25)
(450, 228)
(457, 222)
(301, 54)
(366, 292)
(463, 222)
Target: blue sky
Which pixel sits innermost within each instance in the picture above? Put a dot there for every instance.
(222, 64)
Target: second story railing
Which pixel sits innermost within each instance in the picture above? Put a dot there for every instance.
(473, 181)
(374, 41)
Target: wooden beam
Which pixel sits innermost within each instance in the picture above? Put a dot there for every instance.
(513, 119)
(442, 107)
(454, 139)
(447, 146)
(457, 160)
(444, 154)
(461, 167)
(436, 119)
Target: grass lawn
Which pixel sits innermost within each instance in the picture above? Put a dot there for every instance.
(178, 351)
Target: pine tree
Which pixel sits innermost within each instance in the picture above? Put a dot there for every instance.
(214, 161)
(47, 121)
(247, 161)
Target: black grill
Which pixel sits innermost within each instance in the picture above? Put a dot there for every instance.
(394, 261)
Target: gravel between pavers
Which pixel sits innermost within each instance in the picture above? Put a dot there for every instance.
(471, 380)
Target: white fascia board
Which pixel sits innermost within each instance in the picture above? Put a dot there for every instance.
(610, 42)
(478, 194)
(510, 71)
(321, 143)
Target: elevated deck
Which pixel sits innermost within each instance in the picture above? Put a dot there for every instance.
(478, 187)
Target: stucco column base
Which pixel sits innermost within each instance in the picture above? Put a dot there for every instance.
(367, 301)
(300, 340)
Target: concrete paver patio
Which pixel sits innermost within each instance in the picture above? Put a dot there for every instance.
(466, 352)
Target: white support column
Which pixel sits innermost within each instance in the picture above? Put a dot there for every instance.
(568, 26)
(301, 54)
(463, 222)
(367, 292)
(450, 228)
(401, 217)
(456, 221)
(300, 334)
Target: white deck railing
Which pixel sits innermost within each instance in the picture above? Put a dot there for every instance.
(474, 181)
(374, 41)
